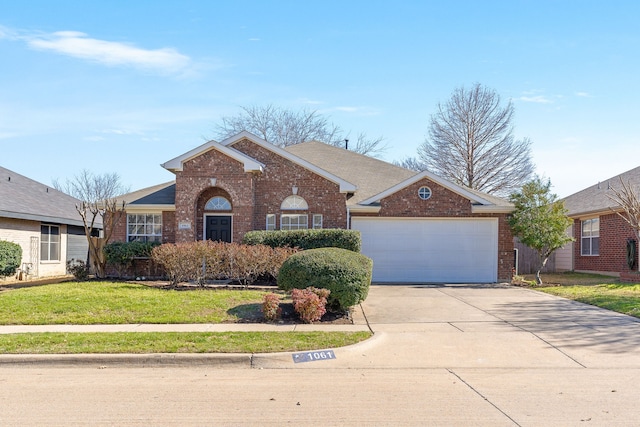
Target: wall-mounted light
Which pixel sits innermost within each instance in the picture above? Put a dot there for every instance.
(213, 181)
(294, 190)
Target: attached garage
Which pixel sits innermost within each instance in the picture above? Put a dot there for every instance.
(430, 250)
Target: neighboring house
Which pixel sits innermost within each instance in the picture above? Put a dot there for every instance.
(43, 221)
(601, 235)
(416, 227)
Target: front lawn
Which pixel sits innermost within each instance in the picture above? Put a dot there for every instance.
(86, 303)
(601, 291)
(174, 342)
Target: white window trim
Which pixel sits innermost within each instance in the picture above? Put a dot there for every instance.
(270, 222)
(316, 222)
(59, 243)
(158, 236)
(299, 226)
(426, 189)
(590, 237)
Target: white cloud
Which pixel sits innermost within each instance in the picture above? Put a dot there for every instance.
(583, 94)
(114, 54)
(254, 39)
(539, 99)
(360, 111)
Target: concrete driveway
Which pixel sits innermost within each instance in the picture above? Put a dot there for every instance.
(533, 358)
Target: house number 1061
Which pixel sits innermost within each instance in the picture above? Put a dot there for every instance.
(313, 356)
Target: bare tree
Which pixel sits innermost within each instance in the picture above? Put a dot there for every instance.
(284, 127)
(98, 204)
(413, 163)
(628, 199)
(471, 143)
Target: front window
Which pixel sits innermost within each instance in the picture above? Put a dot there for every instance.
(49, 243)
(294, 222)
(590, 237)
(317, 221)
(271, 222)
(218, 204)
(294, 203)
(144, 227)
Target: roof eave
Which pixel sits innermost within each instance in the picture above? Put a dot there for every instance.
(131, 207)
(491, 209)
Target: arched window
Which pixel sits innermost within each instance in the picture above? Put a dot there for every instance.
(217, 204)
(294, 203)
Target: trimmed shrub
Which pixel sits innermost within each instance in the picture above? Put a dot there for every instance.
(271, 307)
(10, 258)
(345, 273)
(121, 254)
(203, 260)
(306, 239)
(310, 303)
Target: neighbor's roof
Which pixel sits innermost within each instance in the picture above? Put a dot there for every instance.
(161, 194)
(595, 198)
(370, 175)
(24, 198)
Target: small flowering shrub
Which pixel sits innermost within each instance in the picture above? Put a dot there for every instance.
(271, 307)
(310, 304)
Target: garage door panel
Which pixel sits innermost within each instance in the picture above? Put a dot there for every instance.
(430, 250)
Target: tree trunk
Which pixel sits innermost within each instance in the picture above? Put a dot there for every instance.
(545, 258)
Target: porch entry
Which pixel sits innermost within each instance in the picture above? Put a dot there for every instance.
(218, 227)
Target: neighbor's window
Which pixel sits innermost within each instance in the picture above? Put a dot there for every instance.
(294, 203)
(294, 222)
(49, 243)
(590, 237)
(144, 227)
(317, 221)
(218, 204)
(271, 222)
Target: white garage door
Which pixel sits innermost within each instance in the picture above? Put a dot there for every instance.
(437, 250)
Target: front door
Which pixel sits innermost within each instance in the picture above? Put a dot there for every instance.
(218, 228)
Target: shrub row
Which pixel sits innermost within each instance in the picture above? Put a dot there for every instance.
(10, 258)
(306, 239)
(121, 254)
(345, 273)
(206, 260)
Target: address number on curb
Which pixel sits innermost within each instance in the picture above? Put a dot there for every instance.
(313, 356)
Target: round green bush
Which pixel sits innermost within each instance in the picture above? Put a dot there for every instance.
(345, 273)
(10, 258)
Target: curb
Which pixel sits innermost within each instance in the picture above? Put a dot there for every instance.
(218, 360)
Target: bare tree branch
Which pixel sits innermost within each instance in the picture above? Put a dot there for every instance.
(628, 200)
(284, 127)
(471, 143)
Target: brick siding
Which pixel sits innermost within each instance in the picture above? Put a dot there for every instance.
(614, 232)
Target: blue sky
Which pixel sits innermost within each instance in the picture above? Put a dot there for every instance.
(124, 86)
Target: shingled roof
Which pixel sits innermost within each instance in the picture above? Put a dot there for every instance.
(370, 175)
(24, 198)
(596, 198)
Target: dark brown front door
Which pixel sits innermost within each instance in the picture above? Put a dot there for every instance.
(218, 228)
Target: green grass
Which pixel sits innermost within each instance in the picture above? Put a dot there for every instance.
(601, 291)
(175, 342)
(85, 303)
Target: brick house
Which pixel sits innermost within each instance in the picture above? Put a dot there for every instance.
(44, 222)
(417, 227)
(601, 235)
